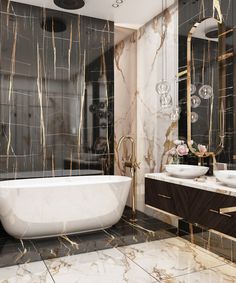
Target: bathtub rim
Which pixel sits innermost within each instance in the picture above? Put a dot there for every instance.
(29, 182)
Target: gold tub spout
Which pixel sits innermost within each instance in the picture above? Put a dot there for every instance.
(133, 165)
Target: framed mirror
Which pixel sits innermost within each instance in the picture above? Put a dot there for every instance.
(206, 85)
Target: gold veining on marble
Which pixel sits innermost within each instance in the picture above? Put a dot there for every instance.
(135, 225)
(54, 51)
(53, 165)
(166, 18)
(82, 99)
(202, 13)
(69, 50)
(119, 48)
(10, 90)
(217, 9)
(168, 144)
(71, 162)
(40, 98)
(104, 75)
(225, 56)
(149, 157)
(73, 244)
(21, 252)
(8, 12)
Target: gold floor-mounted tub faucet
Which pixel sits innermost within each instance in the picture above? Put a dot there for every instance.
(133, 165)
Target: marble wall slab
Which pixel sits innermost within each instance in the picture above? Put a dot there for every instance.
(143, 59)
(57, 91)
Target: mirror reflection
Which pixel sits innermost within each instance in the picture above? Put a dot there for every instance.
(206, 83)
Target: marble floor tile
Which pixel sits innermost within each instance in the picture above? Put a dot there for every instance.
(171, 257)
(34, 272)
(13, 252)
(56, 246)
(220, 274)
(108, 266)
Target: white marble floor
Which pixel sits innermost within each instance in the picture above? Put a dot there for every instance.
(170, 260)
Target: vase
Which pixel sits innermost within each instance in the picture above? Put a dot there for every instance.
(177, 159)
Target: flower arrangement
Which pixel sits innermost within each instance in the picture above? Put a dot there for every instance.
(181, 149)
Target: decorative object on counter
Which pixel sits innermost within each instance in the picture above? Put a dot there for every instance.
(180, 153)
(205, 92)
(186, 171)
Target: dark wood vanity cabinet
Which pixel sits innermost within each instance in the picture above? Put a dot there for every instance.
(205, 209)
(166, 196)
(194, 205)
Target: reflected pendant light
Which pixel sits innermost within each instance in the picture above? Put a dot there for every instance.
(192, 89)
(205, 92)
(194, 117)
(195, 101)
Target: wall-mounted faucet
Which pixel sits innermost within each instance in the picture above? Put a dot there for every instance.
(133, 165)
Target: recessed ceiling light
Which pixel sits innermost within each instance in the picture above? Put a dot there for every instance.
(118, 3)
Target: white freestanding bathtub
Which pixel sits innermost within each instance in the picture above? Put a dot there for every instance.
(44, 207)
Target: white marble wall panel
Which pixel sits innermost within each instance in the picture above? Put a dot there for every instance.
(144, 59)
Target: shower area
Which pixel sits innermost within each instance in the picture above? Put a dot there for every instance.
(57, 93)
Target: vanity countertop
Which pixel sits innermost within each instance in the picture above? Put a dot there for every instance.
(203, 183)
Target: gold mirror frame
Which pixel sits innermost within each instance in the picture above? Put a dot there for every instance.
(222, 56)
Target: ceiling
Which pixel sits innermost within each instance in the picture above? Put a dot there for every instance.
(131, 13)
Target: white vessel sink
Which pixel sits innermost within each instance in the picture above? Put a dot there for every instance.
(227, 177)
(186, 171)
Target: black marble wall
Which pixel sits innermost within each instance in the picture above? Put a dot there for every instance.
(57, 93)
(191, 12)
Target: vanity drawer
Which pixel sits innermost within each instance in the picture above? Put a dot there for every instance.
(206, 207)
(166, 196)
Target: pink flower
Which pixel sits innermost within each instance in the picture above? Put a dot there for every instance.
(172, 151)
(202, 148)
(182, 149)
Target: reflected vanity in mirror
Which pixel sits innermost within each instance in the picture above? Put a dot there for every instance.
(206, 86)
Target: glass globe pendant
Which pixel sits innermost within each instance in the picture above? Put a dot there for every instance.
(195, 101)
(205, 92)
(162, 87)
(194, 117)
(174, 116)
(165, 101)
(192, 89)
